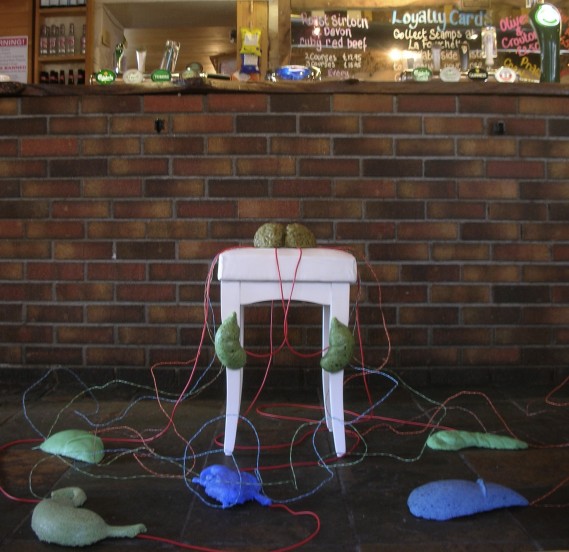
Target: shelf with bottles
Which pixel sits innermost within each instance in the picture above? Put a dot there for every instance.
(60, 37)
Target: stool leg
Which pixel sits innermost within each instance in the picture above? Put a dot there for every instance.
(336, 392)
(325, 374)
(234, 382)
(230, 303)
(334, 382)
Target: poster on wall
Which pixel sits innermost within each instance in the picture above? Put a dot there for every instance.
(380, 43)
(14, 57)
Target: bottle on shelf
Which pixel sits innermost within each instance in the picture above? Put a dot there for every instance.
(53, 40)
(84, 40)
(61, 76)
(81, 76)
(71, 79)
(44, 40)
(61, 41)
(70, 42)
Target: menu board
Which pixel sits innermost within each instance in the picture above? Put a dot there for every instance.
(383, 42)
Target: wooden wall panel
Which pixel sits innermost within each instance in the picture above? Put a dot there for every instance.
(16, 19)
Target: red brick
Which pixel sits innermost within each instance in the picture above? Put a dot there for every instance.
(236, 103)
(294, 145)
(8, 148)
(460, 294)
(81, 209)
(11, 229)
(115, 314)
(166, 145)
(49, 188)
(263, 166)
(521, 252)
(78, 125)
(449, 168)
(390, 125)
(264, 209)
(416, 147)
(54, 313)
(131, 124)
(25, 292)
(311, 124)
(115, 187)
(210, 166)
(202, 123)
(300, 103)
(333, 210)
(363, 103)
(84, 292)
(50, 105)
(206, 209)
(14, 169)
(491, 273)
(116, 271)
(172, 103)
(11, 271)
(460, 252)
(236, 145)
(361, 188)
(45, 147)
(143, 209)
(115, 230)
(17, 249)
(115, 356)
(111, 146)
(417, 103)
(515, 169)
(129, 250)
(177, 229)
(147, 335)
(55, 271)
(427, 231)
(82, 250)
(363, 146)
(84, 335)
(71, 168)
(454, 125)
(308, 187)
(146, 293)
(543, 105)
(133, 167)
(111, 104)
(175, 188)
(54, 229)
(481, 231)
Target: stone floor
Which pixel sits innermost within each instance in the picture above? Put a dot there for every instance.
(357, 503)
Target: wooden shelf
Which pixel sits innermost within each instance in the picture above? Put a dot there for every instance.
(79, 15)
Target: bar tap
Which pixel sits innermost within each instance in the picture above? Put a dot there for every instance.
(119, 55)
(489, 45)
(546, 21)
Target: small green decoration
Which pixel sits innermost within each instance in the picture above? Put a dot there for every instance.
(77, 444)
(341, 348)
(298, 235)
(275, 234)
(270, 235)
(60, 520)
(457, 440)
(227, 346)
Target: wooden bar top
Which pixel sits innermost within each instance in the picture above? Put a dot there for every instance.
(352, 86)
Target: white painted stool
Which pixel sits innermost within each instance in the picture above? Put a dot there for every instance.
(314, 275)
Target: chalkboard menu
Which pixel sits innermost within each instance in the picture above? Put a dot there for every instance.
(380, 43)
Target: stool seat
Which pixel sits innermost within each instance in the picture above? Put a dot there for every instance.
(316, 265)
(317, 275)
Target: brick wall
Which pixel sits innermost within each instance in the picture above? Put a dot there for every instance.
(108, 228)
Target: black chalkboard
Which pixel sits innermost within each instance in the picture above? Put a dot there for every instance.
(380, 43)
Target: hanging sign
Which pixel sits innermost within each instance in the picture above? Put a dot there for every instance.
(14, 57)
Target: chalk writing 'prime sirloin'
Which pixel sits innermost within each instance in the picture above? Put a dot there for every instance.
(441, 19)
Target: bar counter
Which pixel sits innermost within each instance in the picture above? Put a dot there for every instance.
(205, 86)
(115, 200)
